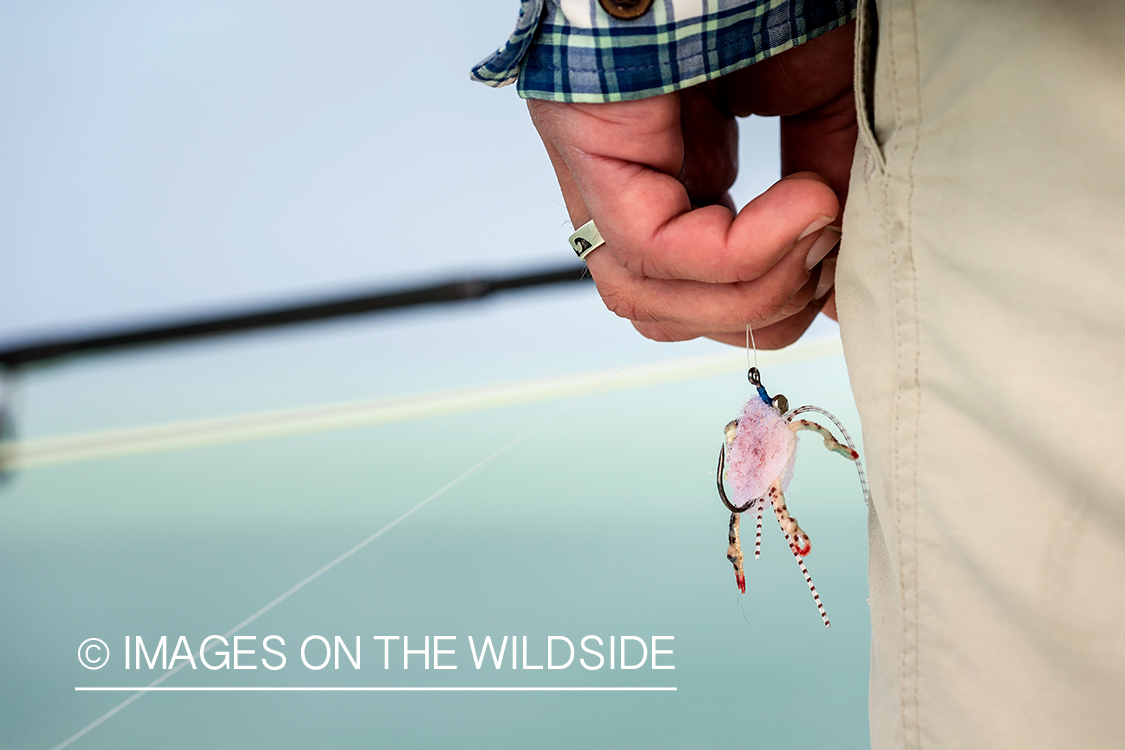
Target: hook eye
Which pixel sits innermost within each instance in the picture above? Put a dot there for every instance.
(754, 376)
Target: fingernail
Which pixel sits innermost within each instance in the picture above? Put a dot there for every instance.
(827, 240)
(827, 279)
(820, 223)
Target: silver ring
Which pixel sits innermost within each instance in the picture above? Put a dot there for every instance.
(586, 240)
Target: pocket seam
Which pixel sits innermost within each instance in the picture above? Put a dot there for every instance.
(864, 105)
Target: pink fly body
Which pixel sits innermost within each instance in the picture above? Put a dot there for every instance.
(762, 451)
(757, 460)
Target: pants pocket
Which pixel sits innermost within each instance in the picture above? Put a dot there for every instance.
(866, 44)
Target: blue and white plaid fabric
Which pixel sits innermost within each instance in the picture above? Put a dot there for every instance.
(573, 51)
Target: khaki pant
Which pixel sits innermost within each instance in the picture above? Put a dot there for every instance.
(981, 293)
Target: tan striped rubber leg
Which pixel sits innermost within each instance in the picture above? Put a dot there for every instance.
(734, 553)
(788, 523)
(830, 441)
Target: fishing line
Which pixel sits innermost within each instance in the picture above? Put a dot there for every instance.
(750, 344)
(344, 556)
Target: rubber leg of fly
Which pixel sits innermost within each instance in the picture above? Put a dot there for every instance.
(758, 538)
(847, 439)
(734, 553)
(808, 580)
(788, 523)
(830, 441)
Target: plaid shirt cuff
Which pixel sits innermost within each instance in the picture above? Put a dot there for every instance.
(573, 51)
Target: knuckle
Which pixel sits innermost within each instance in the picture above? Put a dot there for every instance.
(661, 333)
(620, 304)
(626, 303)
(638, 261)
(756, 305)
(766, 303)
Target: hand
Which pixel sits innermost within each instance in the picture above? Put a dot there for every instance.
(679, 262)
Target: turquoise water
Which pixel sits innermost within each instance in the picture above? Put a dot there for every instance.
(605, 522)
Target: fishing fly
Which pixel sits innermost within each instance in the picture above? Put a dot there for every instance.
(757, 457)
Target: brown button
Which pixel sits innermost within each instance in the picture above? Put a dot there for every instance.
(626, 9)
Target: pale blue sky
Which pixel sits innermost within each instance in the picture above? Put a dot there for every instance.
(159, 159)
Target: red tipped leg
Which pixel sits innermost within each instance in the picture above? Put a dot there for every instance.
(734, 553)
(808, 580)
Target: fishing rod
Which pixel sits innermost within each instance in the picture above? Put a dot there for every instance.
(14, 357)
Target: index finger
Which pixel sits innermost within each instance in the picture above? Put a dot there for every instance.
(624, 158)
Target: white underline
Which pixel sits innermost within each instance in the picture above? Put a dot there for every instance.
(376, 689)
